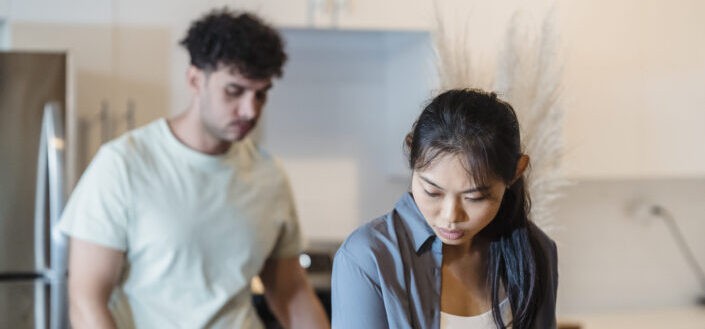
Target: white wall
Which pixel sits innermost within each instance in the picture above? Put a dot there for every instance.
(613, 260)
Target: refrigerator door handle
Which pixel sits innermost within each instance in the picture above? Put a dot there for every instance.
(40, 257)
(50, 180)
(58, 313)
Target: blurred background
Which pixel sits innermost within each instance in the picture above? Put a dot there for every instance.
(358, 74)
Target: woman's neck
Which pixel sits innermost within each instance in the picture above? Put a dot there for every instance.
(464, 289)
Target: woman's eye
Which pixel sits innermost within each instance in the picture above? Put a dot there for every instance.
(475, 198)
(432, 194)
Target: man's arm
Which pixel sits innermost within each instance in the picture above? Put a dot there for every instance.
(94, 271)
(290, 295)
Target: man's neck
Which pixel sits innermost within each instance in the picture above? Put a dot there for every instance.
(187, 128)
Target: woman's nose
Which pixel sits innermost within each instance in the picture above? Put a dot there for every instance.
(453, 211)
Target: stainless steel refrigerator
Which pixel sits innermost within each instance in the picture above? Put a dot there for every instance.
(33, 93)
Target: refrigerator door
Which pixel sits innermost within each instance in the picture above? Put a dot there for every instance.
(27, 82)
(17, 301)
(32, 91)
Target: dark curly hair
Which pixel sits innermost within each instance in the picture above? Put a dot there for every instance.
(237, 39)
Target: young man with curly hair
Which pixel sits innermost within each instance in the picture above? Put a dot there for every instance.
(171, 221)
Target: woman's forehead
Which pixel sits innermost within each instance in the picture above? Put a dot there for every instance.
(457, 167)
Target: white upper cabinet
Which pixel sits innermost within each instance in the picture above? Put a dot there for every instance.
(344, 14)
(382, 15)
(58, 11)
(633, 89)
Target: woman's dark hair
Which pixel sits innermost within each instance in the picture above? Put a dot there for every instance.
(240, 40)
(484, 132)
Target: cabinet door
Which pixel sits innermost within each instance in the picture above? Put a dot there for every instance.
(384, 15)
(142, 57)
(289, 13)
(65, 11)
(632, 87)
(152, 12)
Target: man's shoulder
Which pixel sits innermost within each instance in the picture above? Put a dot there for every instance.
(253, 152)
(252, 156)
(135, 142)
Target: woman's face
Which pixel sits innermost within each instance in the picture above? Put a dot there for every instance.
(453, 206)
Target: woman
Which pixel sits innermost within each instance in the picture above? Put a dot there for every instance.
(458, 251)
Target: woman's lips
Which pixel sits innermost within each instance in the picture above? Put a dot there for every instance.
(450, 234)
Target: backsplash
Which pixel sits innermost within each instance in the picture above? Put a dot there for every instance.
(614, 256)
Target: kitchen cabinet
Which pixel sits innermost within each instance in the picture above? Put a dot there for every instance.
(343, 14)
(59, 11)
(632, 90)
(376, 15)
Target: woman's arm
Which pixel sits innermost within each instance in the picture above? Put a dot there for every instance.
(356, 297)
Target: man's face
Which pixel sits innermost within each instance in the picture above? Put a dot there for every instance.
(230, 103)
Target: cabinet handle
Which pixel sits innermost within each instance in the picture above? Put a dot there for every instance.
(130, 115)
(105, 127)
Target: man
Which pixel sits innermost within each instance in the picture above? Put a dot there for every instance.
(171, 221)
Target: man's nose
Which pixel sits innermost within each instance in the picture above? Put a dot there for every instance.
(248, 107)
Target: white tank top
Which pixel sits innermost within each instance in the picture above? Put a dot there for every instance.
(482, 321)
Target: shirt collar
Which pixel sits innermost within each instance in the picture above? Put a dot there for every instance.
(420, 231)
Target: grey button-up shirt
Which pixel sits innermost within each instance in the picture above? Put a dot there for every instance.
(387, 274)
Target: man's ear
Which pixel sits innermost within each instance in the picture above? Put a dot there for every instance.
(522, 164)
(194, 79)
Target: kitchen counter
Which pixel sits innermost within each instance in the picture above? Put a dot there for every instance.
(692, 317)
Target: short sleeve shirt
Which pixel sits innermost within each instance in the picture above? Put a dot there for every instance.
(195, 228)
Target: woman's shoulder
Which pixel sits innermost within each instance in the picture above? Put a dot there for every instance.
(547, 312)
(545, 241)
(370, 243)
(371, 235)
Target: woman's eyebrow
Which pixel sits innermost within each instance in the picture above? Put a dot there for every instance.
(470, 190)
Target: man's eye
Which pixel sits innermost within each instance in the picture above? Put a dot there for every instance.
(261, 95)
(432, 194)
(234, 92)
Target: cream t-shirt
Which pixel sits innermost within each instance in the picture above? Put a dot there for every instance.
(195, 228)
